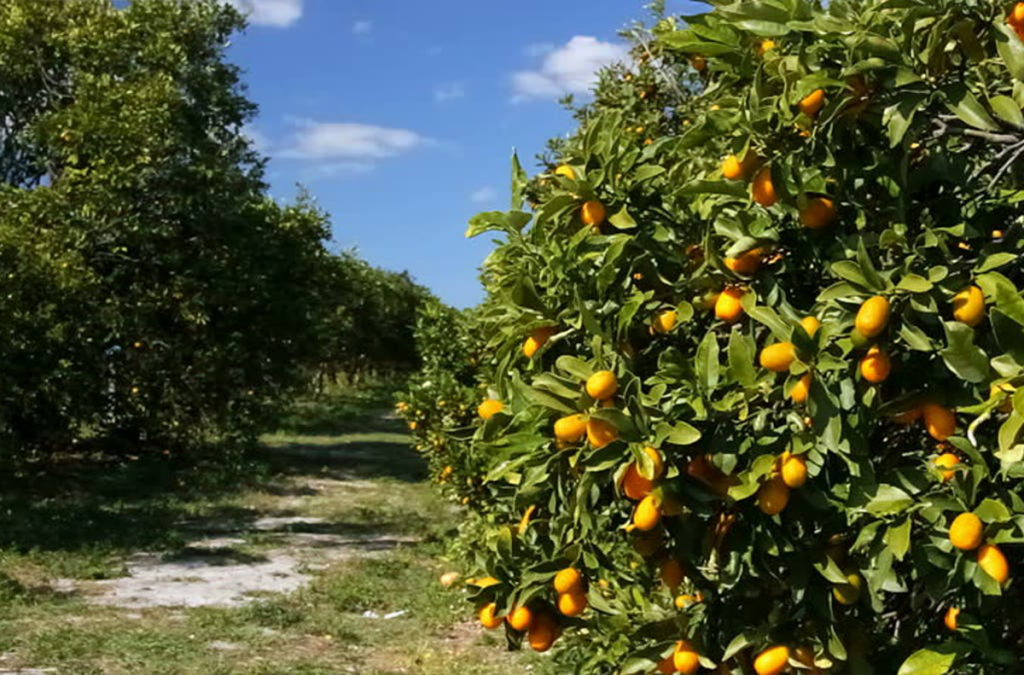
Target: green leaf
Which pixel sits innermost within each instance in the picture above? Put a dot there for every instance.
(622, 220)
(877, 283)
(707, 362)
(1011, 49)
(961, 355)
(851, 271)
(519, 182)
(1007, 109)
(993, 511)
(647, 172)
(897, 538)
(888, 500)
(679, 433)
(831, 571)
(995, 261)
(927, 662)
(962, 103)
(914, 283)
(741, 358)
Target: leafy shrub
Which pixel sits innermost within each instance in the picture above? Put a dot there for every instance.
(792, 233)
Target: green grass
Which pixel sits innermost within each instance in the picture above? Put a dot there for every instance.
(85, 522)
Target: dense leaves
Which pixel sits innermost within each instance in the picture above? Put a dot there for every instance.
(807, 470)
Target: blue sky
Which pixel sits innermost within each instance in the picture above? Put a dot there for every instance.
(400, 116)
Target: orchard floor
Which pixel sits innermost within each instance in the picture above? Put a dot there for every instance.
(321, 556)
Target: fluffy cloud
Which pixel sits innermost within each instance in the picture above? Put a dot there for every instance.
(349, 141)
(362, 27)
(449, 91)
(278, 13)
(484, 195)
(570, 69)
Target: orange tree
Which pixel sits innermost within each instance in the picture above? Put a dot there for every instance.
(757, 364)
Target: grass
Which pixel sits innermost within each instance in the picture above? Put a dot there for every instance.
(356, 474)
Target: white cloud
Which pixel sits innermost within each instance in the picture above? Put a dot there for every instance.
(484, 195)
(538, 49)
(278, 13)
(349, 141)
(362, 27)
(570, 69)
(260, 141)
(449, 91)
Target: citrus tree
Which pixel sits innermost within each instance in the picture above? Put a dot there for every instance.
(754, 346)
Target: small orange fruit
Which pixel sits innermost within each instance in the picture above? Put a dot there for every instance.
(728, 307)
(762, 189)
(778, 357)
(939, 421)
(489, 408)
(488, 616)
(572, 604)
(685, 658)
(538, 338)
(666, 666)
(666, 321)
(570, 429)
(872, 317)
(993, 562)
(947, 461)
(950, 617)
(772, 661)
(600, 433)
(794, 471)
(647, 514)
(765, 46)
(542, 633)
(745, 263)
(602, 385)
(565, 170)
(773, 496)
(672, 574)
(817, 212)
(966, 531)
(810, 325)
(568, 580)
(520, 618)
(875, 366)
(698, 62)
(812, 104)
(969, 306)
(592, 213)
(801, 389)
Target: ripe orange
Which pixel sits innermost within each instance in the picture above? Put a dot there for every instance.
(543, 633)
(778, 357)
(848, 593)
(520, 618)
(728, 307)
(801, 389)
(488, 616)
(966, 532)
(817, 212)
(733, 168)
(773, 496)
(647, 514)
(872, 317)
(685, 658)
(698, 62)
(794, 471)
(939, 421)
(572, 604)
(812, 104)
(765, 46)
(969, 306)
(537, 339)
(634, 485)
(685, 600)
(745, 263)
(489, 408)
(565, 170)
(875, 366)
(600, 433)
(570, 429)
(568, 580)
(772, 661)
(993, 562)
(672, 574)
(950, 617)
(666, 321)
(762, 189)
(947, 461)
(592, 213)
(810, 325)
(602, 385)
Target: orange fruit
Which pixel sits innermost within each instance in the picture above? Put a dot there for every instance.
(600, 433)
(572, 604)
(966, 531)
(801, 389)
(817, 212)
(907, 417)
(685, 658)
(765, 46)
(746, 263)
(666, 666)
(537, 339)
(872, 317)
(592, 213)
(602, 385)
(520, 618)
(570, 429)
(849, 593)
(762, 189)
(647, 514)
(728, 307)
(810, 325)
(672, 574)
(665, 321)
(698, 62)
(947, 461)
(568, 580)
(939, 421)
(794, 471)
(634, 485)
(565, 170)
(993, 562)
(969, 306)
(773, 496)
(778, 357)
(489, 408)
(542, 633)
(875, 366)
(685, 600)
(733, 168)
(488, 616)
(950, 617)
(772, 661)
(812, 104)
